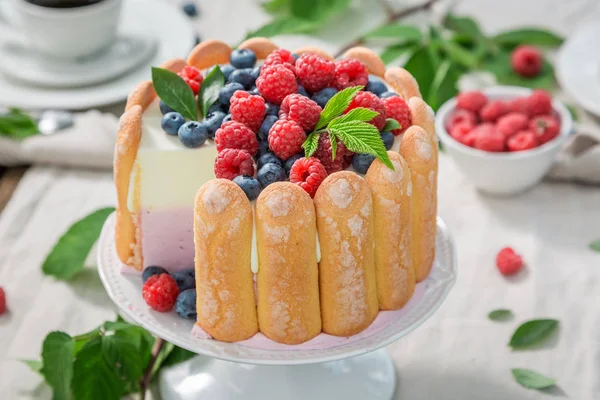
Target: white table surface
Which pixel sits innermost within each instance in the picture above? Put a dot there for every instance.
(457, 355)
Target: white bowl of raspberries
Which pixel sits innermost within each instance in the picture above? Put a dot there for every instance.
(503, 138)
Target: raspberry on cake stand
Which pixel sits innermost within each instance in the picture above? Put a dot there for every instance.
(354, 368)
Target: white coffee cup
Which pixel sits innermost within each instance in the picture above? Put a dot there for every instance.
(64, 33)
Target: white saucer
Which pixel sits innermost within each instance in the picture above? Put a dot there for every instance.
(578, 67)
(156, 19)
(127, 52)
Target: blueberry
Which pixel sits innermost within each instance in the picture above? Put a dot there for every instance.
(153, 270)
(254, 91)
(376, 86)
(249, 185)
(215, 107)
(270, 173)
(272, 109)
(185, 279)
(303, 91)
(185, 304)
(388, 94)
(227, 118)
(243, 77)
(323, 96)
(256, 72)
(388, 139)
(164, 109)
(227, 91)
(268, 158)
(213, 122)
(227, 70)
(265, 127)
(242, 58)
(290, 162)
(296, 56)
(362, 162)
(263, 148)
(190, 9)
(171, 122)
(193, 134)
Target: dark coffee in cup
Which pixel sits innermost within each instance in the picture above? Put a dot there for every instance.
(63, 3)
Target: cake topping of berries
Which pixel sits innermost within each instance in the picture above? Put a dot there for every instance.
(472, 100)
(508, 261)
(300, 109)
(372, 102)
(396, 108)
(286, 138)
(249, 185)
(270, 173)
(233, 162)
(160, 292)
(526, 61)
(280, 56)
(242, 58)
(247, 109)
(235, 135)
(193, 77)
(314, 72)
(324, 154)
(350, 72)
(276, 82)
(308, 173)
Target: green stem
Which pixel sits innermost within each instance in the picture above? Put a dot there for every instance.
(145, 382)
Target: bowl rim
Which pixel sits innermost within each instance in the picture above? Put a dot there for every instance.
(566, 125)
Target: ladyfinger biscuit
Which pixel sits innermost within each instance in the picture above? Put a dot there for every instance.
(143, 95)
(422, 115)
(392, 215)
(419, 150)
(288, 274)
(126, 147)
(209, 53)
(402, 82)
(347, 279)
(314, 50)
(174, 65)
(371, 60)
(261, 46)
(223, 236)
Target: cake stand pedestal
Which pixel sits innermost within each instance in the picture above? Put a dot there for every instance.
(357, 368)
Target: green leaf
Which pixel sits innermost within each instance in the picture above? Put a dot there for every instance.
(533, 333)
(310, 144)
(174, 92)
(573, 111)
(116, 325)
(57, 360)
(531, 36)
(464, 25)
(336, 105)
(16, 124)
(275, 6)
(81, 340)
(94, 377)
(595, 245)
(532, 380)
(420, 65)
(500, 315)
(305, 9)
(69, 254)
(333, 139)
(164, 353)
(408, 33)
(123, 357)
(444, 85)
(459, 54)
(500, 66)
(390, 125)
(284, 25)
(361, 137)
(35, 365)
(209, 91)
(177, 356)
(357, 114)
(395, 51)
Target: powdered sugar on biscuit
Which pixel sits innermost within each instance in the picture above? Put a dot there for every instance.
(215, 200)
(277, 234)
(278, 203)
(424, 149)
(393, 176)
(341, 193)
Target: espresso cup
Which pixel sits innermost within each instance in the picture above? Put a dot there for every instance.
(65, 32)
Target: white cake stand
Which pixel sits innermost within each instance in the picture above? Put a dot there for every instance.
(356, 370)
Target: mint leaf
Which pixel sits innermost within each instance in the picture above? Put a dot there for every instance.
(533, 333)
(178, 355)
(123, 356)
(95, 377)
(532, 380)
(333, 140)
(390, 125)
(116, 325)
(274, 6)
(35, 365)
(69, 254)
(336, 105)
(532, 36)
(310, 144)
(284, 25)
(595, 245)
(395, 51)
(459, 54)
(306, 9)
(174, 92)
(16, 124)
(361, 137)
(444, 85)
(408, 33)
(209, 91)
(500, 315)
(420, 65)
(357, 114)
(464, 25)
(57, 360)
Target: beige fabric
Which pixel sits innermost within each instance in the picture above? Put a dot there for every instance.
(580, 158)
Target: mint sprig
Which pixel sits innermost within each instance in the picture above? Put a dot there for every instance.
(336, 105)
(390, 125)
(533, 333)
(209, 90)
(16, 124)
(174, 92)
(310, 144)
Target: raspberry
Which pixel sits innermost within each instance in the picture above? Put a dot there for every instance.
(526, 61)
(522, 140)
(276, 82)
(396, 108)
(193, 77)
(472, 101)
(233, 162)
(349, 72)
(494, 110)
(247, 109)
(539, 102)
(314, 72)
(372, 102)
(235, 135)
(520, 105)
(462, 133)
(2, 301)
(508, 262)
(545, 128)
(160, 292)
(487, 138)
(308, 173)
(511, 123)
(343, 157)
(459, 115)
(286, 138)
(280, 56)
(300, 109)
